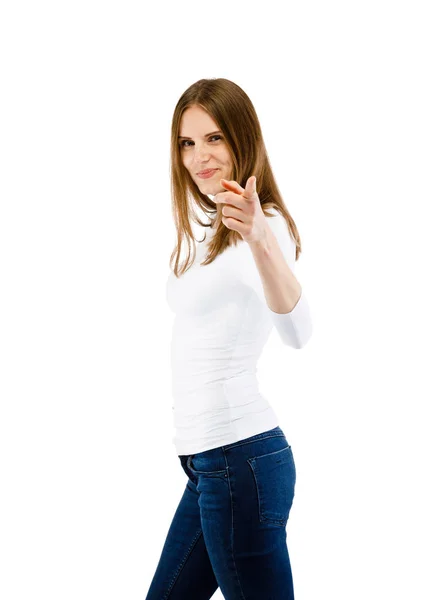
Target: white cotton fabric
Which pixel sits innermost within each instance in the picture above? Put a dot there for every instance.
(221, 324)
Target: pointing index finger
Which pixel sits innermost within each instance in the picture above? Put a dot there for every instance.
(233, 185)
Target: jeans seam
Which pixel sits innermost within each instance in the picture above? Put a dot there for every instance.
(232, 532)
(179, 570)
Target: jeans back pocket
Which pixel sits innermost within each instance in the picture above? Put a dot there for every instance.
(275, 476)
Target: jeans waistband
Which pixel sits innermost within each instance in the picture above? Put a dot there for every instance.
(276, 431)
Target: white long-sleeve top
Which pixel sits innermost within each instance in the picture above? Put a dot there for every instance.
(222, 322)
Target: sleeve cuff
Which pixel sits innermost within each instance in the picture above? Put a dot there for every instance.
(294, 328)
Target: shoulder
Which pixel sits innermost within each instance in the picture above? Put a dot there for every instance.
(273, 214)
(280, 228)
(278, 223)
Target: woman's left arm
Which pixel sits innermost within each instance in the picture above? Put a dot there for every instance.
(283, 293)
(282, 290)
(273, 250)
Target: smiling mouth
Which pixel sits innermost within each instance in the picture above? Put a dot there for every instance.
(206, 171)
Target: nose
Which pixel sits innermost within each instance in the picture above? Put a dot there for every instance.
(201, 153)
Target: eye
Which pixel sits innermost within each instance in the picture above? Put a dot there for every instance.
(183, 142)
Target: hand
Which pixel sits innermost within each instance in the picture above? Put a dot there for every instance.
(242, 210)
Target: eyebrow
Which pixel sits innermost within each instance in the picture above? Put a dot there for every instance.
(206, 135)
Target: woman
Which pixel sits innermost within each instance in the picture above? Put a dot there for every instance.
(229, 529)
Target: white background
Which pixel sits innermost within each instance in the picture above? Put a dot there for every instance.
(89, 476)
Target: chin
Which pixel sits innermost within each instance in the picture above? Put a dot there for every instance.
(211, 188)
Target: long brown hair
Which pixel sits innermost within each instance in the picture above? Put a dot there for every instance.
(230, 107)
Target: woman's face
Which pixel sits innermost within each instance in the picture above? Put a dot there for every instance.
(202, 147)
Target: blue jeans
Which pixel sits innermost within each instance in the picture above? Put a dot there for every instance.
(229, 529)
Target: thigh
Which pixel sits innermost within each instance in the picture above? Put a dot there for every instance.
(184, 569)
(262, 484)
(211, 478)
(245, 495)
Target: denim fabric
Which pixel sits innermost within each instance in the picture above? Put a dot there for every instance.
(229, 529)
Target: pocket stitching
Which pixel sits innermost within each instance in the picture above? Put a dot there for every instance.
(252, 464)
(286, 448)
(211, 473)
(261, 516)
